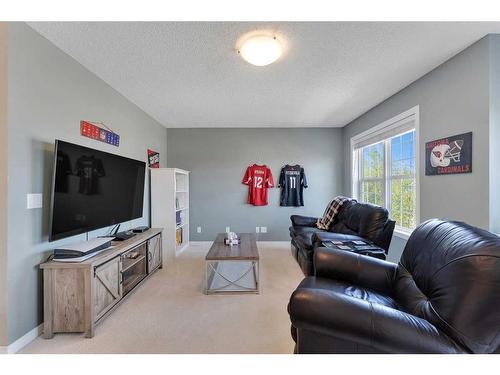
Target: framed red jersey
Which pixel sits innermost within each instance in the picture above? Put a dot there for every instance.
(258, 178)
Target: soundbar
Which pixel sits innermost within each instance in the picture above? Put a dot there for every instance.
(82, 248)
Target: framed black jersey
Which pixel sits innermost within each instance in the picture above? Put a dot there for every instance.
(292, 183)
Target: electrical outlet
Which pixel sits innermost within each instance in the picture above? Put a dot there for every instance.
(198, 230)
(228, 229)
(34, 201)
(257, 229)
(263, 229)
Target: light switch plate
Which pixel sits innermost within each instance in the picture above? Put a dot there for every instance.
(263, 229)
(198, 230)
(34, 201)
(257, 229)
(228, 229)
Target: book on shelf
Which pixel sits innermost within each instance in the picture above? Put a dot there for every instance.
(178, 219)
(178, 236)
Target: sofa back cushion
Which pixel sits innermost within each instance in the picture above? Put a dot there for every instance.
(339, 223)
(449, 274)
(362, 219)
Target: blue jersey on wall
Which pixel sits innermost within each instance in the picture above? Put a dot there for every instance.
(292, 182)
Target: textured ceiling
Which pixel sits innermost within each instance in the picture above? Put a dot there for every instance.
(188, 74)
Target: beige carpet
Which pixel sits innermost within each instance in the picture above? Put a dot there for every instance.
(169, 313)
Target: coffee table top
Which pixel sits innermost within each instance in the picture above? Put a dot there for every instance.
(246, 250)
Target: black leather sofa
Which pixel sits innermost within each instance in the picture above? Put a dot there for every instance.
(442, 297)
(355, 221)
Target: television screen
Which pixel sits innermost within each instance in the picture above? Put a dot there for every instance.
(93, 189)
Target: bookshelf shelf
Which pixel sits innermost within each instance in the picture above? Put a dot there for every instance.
(170, 208)
(181, 225)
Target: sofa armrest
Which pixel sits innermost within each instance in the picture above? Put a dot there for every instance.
(303, 221)
(371, 324)
(368, 272)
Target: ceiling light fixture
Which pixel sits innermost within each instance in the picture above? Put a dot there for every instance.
(261, 50)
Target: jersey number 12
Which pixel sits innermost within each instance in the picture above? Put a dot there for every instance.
(258, 182)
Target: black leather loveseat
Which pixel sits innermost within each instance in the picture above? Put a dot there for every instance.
(442, 297)
(355, 221)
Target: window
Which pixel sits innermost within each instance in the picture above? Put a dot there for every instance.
(385, 170)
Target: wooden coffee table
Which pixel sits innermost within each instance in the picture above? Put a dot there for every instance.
(232, 269)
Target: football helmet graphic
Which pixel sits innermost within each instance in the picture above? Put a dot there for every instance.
(442, 155)
(455, 149)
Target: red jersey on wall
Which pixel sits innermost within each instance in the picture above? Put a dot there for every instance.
(258, 178)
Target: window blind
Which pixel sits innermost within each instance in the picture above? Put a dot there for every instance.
(400, 127)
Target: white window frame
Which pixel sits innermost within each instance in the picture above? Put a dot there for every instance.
(359, 167)
(388, 125)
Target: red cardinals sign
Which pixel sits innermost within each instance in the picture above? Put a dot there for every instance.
(449, 155)
(153, 159)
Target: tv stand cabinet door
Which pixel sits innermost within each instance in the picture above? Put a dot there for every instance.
(107, 287)
(154, 253)
(64, 300)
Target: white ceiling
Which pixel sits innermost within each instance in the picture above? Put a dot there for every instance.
(188, 74)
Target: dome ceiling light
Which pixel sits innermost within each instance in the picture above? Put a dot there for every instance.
(261, 50)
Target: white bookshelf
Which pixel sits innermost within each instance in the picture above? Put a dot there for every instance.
(170, 199)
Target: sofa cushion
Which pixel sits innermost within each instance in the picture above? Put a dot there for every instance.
(449, 275)
(363, 219)
(341, 227)
(341, 215)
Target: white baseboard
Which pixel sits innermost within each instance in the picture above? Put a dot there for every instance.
(210, 242)
(274, 242)
(22, 341)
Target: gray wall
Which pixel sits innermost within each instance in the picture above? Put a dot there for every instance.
(453, 99)
(494, 133)
(3, 184)
(49, 93)
(217, 159)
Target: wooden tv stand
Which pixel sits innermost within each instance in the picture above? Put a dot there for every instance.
(77, 296)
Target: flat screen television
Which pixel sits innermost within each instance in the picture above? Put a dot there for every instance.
(93, 189)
